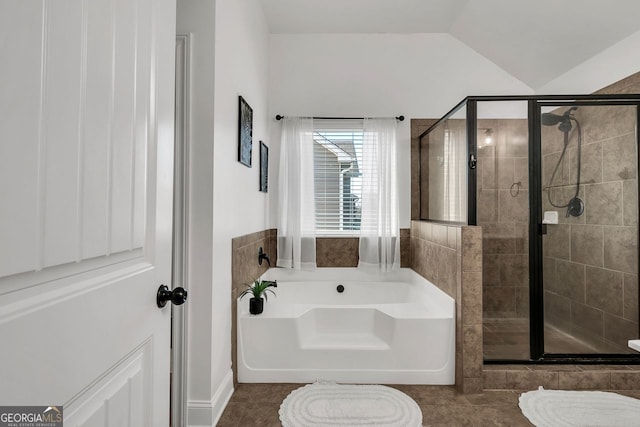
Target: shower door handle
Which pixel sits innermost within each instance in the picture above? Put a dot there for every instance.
(542, 229)
(473, 162)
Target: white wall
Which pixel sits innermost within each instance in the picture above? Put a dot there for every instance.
(417, 75)
(197, 18)
(230, 51)
(241, 53)
(603, 69)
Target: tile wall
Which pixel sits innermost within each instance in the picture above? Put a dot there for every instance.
(343, 251)
(561, 377)
(503, 214)
(451, 258)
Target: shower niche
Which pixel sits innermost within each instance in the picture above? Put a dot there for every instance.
(552, 181)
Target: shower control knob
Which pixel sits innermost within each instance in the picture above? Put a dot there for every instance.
(178, 296)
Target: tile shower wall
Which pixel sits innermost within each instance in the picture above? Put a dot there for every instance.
(451, 258)
(591, 261)
(503, 214)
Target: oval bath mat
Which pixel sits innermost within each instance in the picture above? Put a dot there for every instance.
(330, 404)
(561, 408)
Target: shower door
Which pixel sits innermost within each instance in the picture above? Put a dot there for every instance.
(502, 192)
(587, 219)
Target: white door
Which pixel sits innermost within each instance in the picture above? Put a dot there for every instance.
(86, 165)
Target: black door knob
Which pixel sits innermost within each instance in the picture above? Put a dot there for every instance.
(177, 296)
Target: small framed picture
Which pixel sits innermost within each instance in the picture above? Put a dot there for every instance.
(245, 132)
(264, 167)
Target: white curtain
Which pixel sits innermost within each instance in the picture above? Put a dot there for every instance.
(379, 229)
(455, 166)
(296, 216)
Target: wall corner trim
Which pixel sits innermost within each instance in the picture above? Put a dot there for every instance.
(204, 413)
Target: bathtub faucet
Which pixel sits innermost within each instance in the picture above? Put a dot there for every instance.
(263, 256)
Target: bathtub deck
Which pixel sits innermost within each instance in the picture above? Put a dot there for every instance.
(272, 309)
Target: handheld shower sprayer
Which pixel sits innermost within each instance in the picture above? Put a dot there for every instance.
(575, 206)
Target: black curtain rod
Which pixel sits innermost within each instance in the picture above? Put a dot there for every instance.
(399, 118)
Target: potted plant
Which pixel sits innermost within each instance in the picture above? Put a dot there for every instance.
(258, 289)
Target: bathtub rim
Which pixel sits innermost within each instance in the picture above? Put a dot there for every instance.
(406, 275)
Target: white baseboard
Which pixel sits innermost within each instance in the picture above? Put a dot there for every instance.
(203, 413)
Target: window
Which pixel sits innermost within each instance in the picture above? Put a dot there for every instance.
(337, 156)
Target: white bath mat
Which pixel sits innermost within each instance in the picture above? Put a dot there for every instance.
(330, 404)
(560, 408)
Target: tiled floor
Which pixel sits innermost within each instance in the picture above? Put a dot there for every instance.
(509, 339)
(258, 404)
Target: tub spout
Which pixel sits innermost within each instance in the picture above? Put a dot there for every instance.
(263, 256)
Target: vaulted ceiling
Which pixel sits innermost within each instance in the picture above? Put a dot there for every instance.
(534, 40)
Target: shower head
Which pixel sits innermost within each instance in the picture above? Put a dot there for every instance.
(550, 119)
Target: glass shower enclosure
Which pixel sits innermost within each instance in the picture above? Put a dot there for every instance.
(552, 181)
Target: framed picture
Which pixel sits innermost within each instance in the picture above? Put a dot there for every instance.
(264, 167)
(245, 132)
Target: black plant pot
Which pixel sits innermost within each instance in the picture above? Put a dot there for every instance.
(256, 305)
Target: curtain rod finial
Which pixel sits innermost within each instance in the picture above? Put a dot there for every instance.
(400, 118)
(279, 117)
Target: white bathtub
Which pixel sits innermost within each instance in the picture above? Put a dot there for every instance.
(394, 328)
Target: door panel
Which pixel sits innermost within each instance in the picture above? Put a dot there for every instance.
(118, 399)
(590, 254)
(86, 164)
(60, 126)
(20, 111)
(96, 128)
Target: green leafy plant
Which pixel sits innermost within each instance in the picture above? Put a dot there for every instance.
(259, 288)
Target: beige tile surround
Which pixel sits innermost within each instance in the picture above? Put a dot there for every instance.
(343, 251)
(561, 377)
(451, 258)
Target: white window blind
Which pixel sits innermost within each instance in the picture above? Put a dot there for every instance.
(337, 158)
